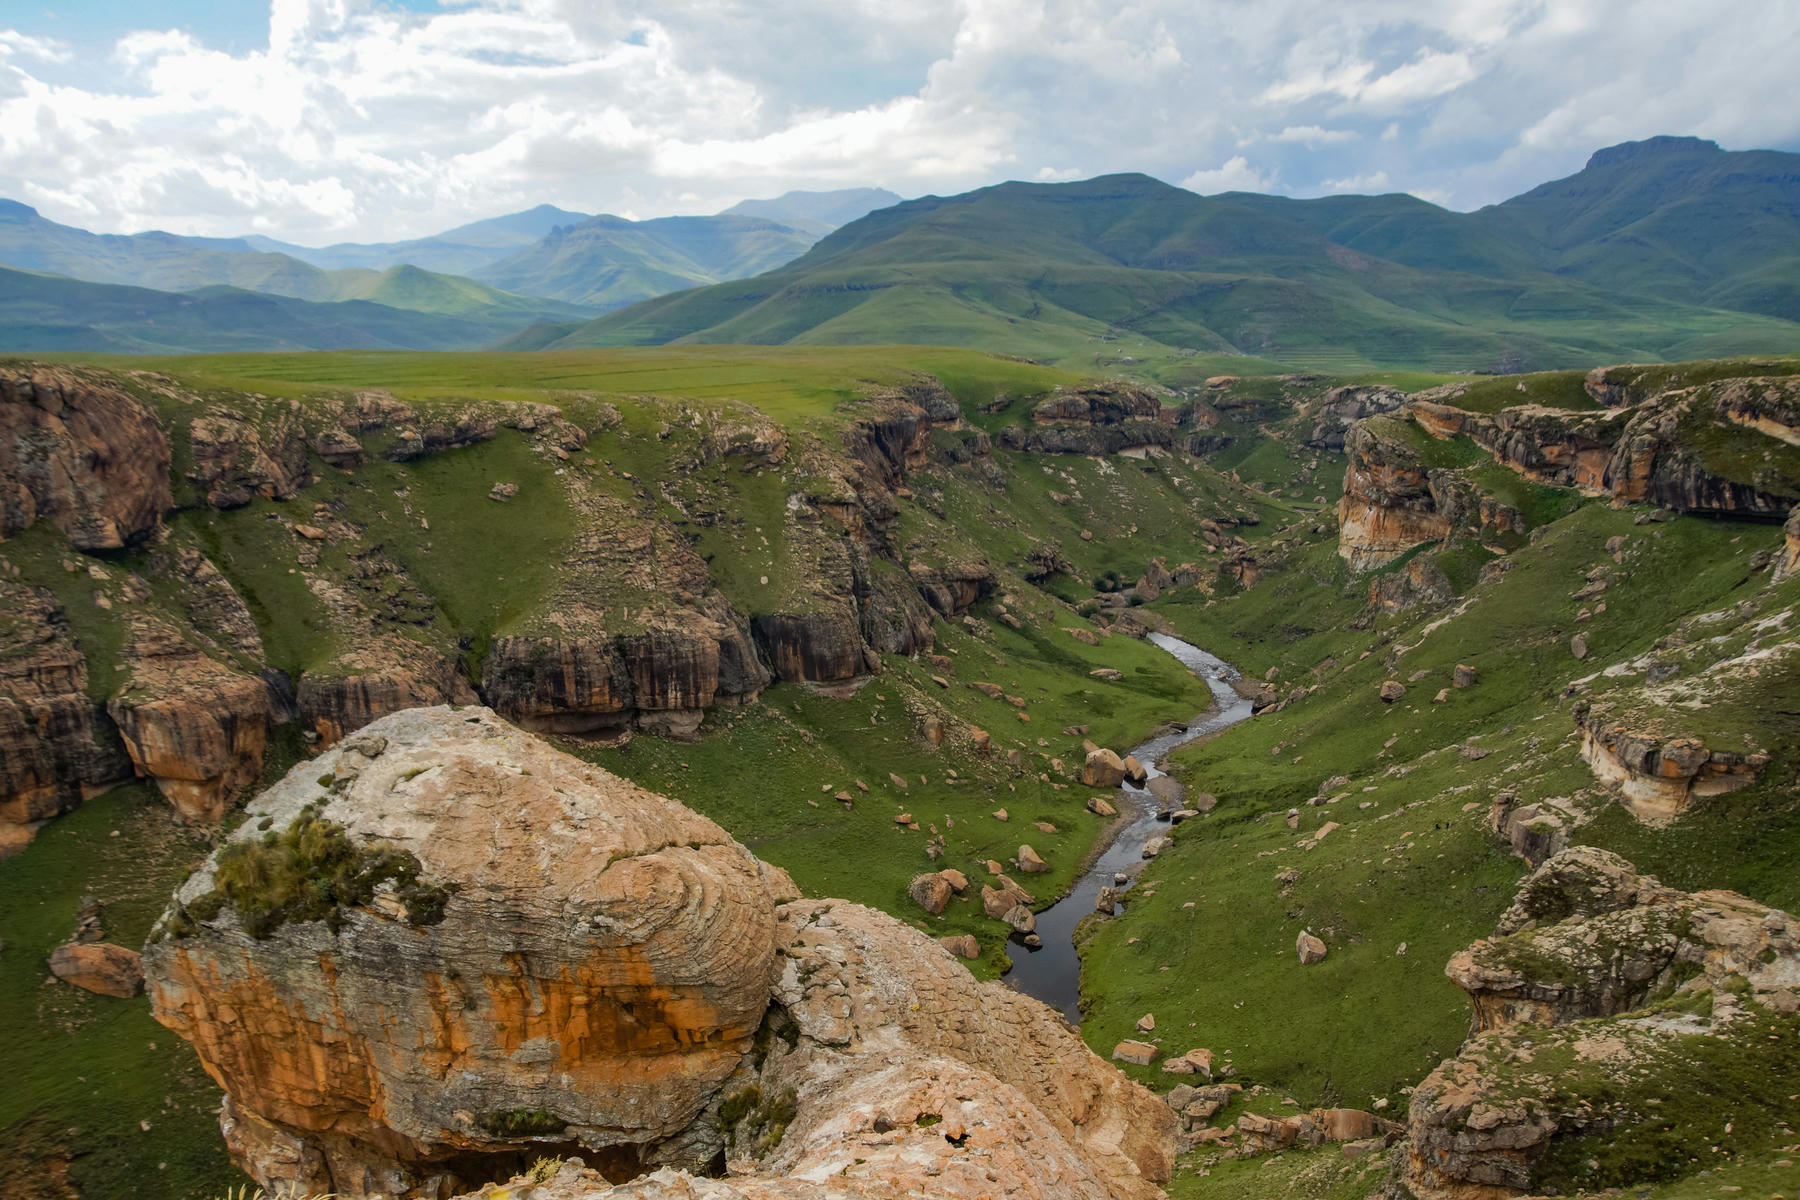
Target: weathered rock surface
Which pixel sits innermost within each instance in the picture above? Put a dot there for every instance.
(593, 983)
(193, 725)
(1659, 778)
(57, 746)
(334, 706)
(1387, 506)
(602, 959)
(1583, 955)
(1102, 769)
(99, 967)
(82, 455)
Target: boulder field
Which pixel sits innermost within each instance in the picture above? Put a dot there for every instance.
(442, 950)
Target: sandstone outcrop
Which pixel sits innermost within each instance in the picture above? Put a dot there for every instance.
(1598, 966)
(556, 961)
(1659, 778)
(57, 746)
(1341, 407)
(1387, 507)
(83, 455)
(334, 705)
(1710, 449)
(597, 962)
(191, 724)
(1787, 559)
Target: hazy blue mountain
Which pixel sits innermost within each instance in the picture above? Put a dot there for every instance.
(609, 262)
(817, 213)
(51, 312)
(456, 251)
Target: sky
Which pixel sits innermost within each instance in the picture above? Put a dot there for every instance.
(326, 120)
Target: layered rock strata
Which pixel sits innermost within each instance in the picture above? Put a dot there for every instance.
(83, 455)
(1598, 966)
(597, 969)
(605, 974)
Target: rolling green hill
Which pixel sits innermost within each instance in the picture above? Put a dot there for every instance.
(1558, 277)
(609, 262)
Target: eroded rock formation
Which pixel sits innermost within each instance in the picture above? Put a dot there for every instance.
(1659, 778)
(56, 744)
(1623, 981)
(83, 455)
(561, 962)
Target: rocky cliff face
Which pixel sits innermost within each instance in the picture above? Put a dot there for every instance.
(56, 744)
(1591, 1005)
(524, 954)
(1387, 507)
(82, 455)
(190, 723)
(1723, 448)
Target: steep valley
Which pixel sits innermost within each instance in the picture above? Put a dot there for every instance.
(879, 614)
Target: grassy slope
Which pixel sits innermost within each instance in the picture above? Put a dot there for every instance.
(82, 1070)
(1417, 865)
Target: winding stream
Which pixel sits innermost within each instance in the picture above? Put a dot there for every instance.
(1053, 973)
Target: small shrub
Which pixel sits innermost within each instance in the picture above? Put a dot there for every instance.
(524, 1122)
(310, 871)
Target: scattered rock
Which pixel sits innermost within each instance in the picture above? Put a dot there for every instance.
(963, 944)
(930, 892)
(1309, 948)
(1030, 863)
(1140, 1054)
(99, 967)
(1463, 676)
(1392, 690)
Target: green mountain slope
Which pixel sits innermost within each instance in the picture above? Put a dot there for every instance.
(48, 312)
(1049, 270)
(609, 262)
(1676, 217)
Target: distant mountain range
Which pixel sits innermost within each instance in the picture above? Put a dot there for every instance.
(465, 288)
(1668, 248)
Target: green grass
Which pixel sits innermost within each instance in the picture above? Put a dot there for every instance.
(84, 1070)
(1415, 868)
(760, 771)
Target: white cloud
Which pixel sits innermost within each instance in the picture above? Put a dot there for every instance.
(1369, 184)
(1312, 136)
(1235, 175)
(362, 118)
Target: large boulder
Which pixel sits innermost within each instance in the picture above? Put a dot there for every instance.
(1103, 769)
(443, 949)
(99, 967)
(554, 953)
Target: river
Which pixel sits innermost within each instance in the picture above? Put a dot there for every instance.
(1053, 972)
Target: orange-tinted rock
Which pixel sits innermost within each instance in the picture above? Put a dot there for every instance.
(193, 725)
(99, 967)
(602, 961)
(57, 746)
(336, 705)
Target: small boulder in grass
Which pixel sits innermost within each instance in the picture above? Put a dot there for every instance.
(1309, 949)
(1140, 1054)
